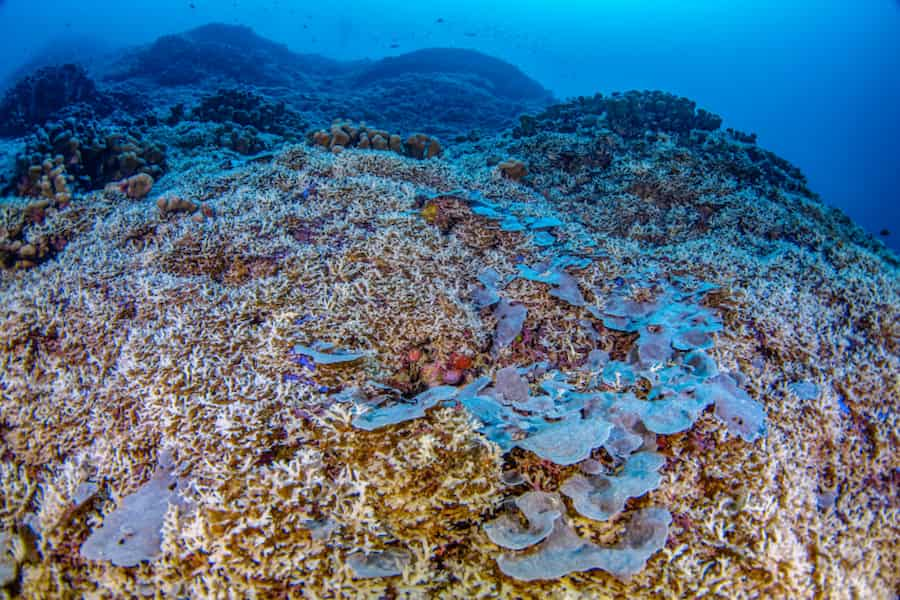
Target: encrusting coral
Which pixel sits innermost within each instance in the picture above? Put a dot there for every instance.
(152, 336)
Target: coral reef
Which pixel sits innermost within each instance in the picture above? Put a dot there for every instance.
(656, 365)
(235, 324)
(38, 97)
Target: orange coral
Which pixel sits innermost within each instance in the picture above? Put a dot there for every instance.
(136, 186)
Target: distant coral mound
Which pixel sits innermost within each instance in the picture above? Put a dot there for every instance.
(451, 93)
(219, 51)
(64, 48)
(500, 77)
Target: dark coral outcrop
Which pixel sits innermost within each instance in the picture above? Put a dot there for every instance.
(630, 115)
(43, 94)
(447, 92)
(244, 107)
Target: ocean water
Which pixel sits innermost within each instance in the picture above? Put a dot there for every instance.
(449, 300)
(817, 81)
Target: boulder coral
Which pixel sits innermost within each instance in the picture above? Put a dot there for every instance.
(346, 135)
(135, 187)
(513, 169)
(49, 180)
(175, 204)
(94, 154)
(244, 107)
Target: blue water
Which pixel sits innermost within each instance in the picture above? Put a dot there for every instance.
(819, 81)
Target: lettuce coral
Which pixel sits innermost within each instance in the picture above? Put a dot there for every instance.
(133, 531)
(564, 552)
(541, 509)
(398, 413)
(325, 354)
(388, 563)
(601, 497)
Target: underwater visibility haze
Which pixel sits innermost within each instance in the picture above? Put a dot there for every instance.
(449, 300)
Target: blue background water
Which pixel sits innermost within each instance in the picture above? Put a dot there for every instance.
(818, 80)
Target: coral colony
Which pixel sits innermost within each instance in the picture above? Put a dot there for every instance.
(604, 349)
